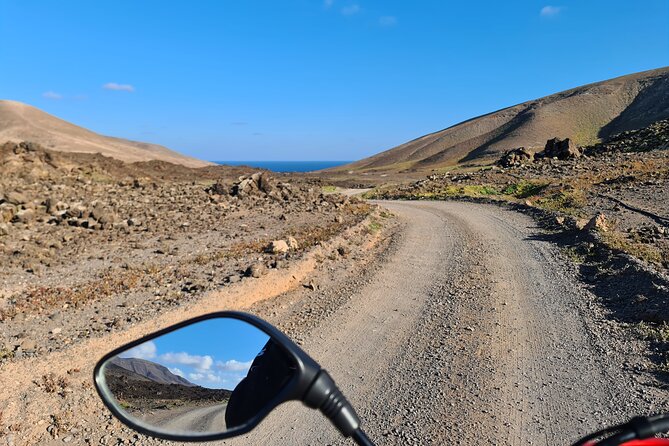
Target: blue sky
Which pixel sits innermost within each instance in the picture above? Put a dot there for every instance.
(215, 353)
(310, 80)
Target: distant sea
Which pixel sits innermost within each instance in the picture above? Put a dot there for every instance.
(286, 166)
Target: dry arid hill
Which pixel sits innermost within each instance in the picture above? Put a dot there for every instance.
(585, 114)
(22, 122)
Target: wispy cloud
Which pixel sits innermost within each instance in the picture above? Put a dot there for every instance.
(550, 11)
(328, 3)
(387, 20)
(118, 87)
(233, 365)
(52, 95)
(211, 378)
(146, 350)
(201, 363)
(351, 9)
(177, 371)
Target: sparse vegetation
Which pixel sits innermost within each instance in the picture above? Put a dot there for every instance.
(656, 334)
(569, 201)
(643, 251)
(374, 226)
(524, 189)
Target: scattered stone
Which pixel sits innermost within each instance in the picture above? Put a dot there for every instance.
(563, 149)
(311, 285)
(255, 270)
(28, 345)
(598, 222)
(15, 197)
(516, 157)
(292, 243)
(278, 247)
(7, 212)
(24, 216)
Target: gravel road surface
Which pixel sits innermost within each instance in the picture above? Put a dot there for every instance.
(208, 419)
(474, 331)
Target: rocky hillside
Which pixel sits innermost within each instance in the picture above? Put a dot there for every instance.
(619, 186)
(150, 370)
(21, 122)
(138, 394)
(585, 114)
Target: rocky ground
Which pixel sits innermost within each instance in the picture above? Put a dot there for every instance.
(110, 250)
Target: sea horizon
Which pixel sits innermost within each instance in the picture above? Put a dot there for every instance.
(286, 166)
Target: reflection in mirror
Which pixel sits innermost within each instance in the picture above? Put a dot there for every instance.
(203, 379)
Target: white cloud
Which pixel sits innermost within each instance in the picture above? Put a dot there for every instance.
(387, 20)
(550, 11)
(146, 350)
(177, 371)
(350, 10)
(118, 87)
(204, 377)
(328, 3)
(52, 95)
(196, 376)
(234, 366)
(201, 363)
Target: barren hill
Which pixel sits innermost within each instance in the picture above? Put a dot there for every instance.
(586, 114)
(150, 370)
(22, 122)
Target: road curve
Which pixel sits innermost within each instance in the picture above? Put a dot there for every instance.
(207, 419)
(473, 332)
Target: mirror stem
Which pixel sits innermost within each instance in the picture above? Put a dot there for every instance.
(361, 438)
(326, 397)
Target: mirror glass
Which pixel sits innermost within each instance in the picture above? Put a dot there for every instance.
(206, 378)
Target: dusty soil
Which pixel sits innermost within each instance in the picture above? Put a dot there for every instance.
(50, 397)
(98, 255)
(94, 251)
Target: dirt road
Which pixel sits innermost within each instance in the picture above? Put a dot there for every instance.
(473, 332)
(202, 420)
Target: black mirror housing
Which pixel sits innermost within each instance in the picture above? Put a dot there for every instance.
(307, 372)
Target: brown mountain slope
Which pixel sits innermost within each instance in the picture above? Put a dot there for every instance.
(150, 370)
(22, 122)
(584, 114)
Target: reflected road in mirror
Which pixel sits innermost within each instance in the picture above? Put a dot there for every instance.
(202, 379)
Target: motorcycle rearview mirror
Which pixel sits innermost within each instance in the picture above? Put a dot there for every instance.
(216, 376)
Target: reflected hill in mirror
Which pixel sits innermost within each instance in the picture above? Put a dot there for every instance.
(151, 370)
(150, 392)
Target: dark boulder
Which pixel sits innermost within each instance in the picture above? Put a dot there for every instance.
(562, 149)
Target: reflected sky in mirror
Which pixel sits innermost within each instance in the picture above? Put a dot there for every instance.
(214, 353)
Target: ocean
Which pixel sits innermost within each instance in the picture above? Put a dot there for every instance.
(286, 166)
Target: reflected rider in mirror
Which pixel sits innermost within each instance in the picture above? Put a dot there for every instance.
(269, 373)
